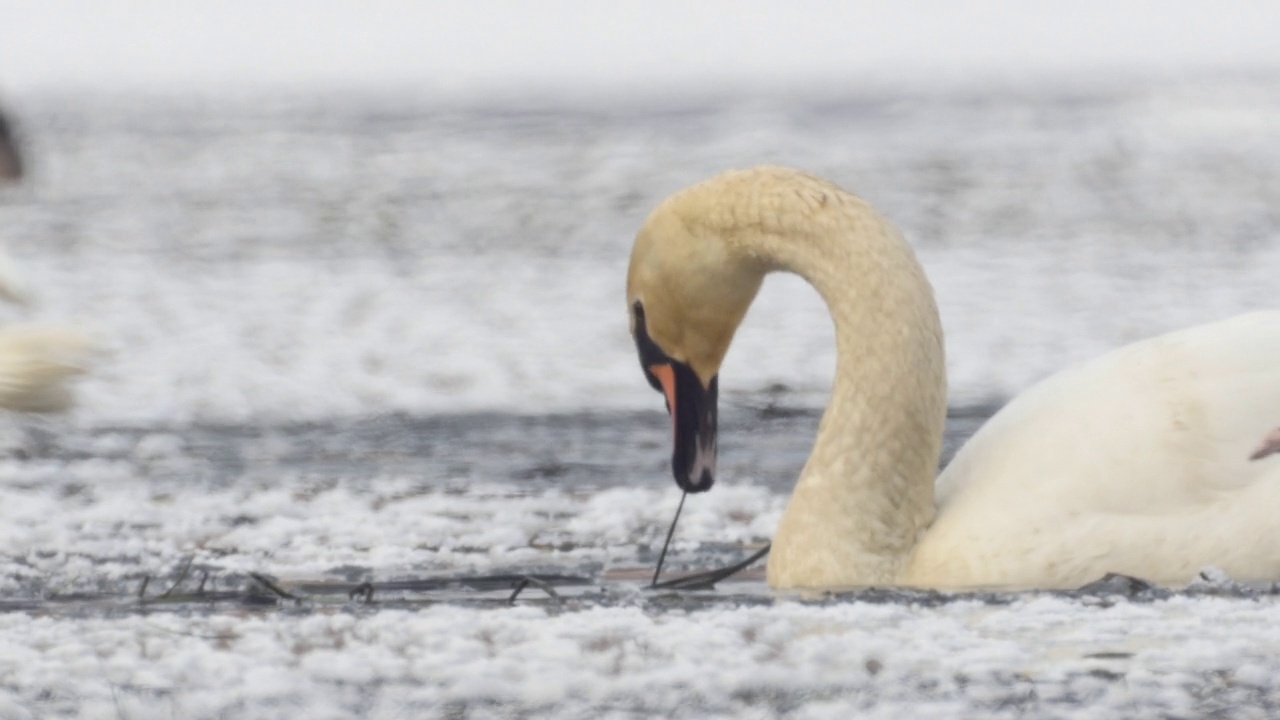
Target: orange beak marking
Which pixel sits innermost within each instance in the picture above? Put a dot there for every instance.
(667, 376)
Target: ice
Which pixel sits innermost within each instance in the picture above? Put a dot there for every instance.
(790, 659)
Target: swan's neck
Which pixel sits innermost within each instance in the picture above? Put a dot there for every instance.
(866, 494)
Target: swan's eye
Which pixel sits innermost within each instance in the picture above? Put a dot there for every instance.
(650, 353)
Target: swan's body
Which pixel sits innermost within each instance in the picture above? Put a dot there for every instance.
(1137, 462)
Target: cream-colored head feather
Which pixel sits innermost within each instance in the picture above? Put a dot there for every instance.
(693, 289)
(698, 263)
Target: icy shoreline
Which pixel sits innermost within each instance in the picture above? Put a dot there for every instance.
(1044, 656)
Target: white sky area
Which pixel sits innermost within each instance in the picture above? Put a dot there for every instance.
(491, 45)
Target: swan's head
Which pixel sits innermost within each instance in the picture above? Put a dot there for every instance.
(687, 291)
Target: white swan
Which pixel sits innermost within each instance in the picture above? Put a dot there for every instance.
(35, 362)
(1137, 462)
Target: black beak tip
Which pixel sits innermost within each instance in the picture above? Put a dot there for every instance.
(700, 484)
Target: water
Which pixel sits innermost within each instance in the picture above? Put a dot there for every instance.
(380, 338)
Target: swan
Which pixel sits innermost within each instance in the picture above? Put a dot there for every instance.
(36, 362)
(1137, 462)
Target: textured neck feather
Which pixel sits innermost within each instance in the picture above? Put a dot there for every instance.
(866, 494)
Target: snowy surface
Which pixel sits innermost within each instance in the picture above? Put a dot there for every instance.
(610, 650)
(1041, 657)
(381, 337)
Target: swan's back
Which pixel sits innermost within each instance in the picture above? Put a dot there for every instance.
(1136, 462)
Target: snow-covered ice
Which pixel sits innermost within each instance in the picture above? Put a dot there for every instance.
(614, 651)
(1039, 656)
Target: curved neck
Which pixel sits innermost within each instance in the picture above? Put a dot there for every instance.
(866, 494)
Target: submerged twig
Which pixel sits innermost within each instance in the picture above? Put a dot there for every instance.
(364, 591)
(707, 579)
(667, 543)
(703, 579)
(142, 591)
(269, 584)
(182, 575)
(528, 580)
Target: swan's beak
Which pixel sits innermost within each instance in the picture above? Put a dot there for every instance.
(691, 404)
(693, 424)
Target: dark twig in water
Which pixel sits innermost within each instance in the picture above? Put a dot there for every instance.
(363, 591)
(142, 591)
(267, 583)
(520, 586)
(696, 581)
(204, 577)
(708, 579)
(182, 575)
(528, 580)
(667, 543)
(499, 582)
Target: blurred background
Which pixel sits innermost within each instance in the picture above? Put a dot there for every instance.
(289, 210)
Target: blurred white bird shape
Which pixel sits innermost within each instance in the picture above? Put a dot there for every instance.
(36, 362)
